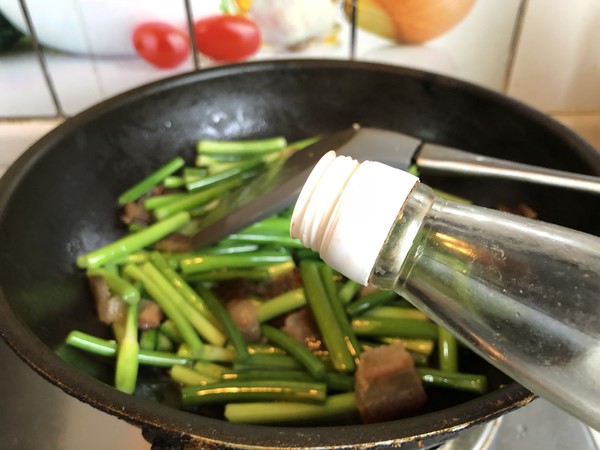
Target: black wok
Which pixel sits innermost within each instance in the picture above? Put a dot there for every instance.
(58, 201)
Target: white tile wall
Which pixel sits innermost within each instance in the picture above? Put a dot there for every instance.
(557, 63)
(23, 89)
(477, 50)
(89, 50)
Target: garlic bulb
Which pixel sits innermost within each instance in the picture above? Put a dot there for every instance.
(292, 24)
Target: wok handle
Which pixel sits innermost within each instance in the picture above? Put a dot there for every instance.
(449, 161)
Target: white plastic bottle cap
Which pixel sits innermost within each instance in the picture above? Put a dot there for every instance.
(345, 211)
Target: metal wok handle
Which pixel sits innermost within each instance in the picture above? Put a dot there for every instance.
(448, 161)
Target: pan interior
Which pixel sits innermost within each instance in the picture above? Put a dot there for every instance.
(59, 200)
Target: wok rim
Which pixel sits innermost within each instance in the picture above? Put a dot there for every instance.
(180, 425)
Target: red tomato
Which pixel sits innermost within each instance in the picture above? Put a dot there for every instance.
(227, 38)
(161, 44)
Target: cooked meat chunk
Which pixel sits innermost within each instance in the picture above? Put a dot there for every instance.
(174, 242)
(302, 326)
(387, 384)
(150, 315)
(366, 290)
(108, 308)
(279, 285)
(243, 313)
(134, 212)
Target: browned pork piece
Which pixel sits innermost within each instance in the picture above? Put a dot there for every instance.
(108, 308)
(243, 313)
(387, 385)
(278, 285)
(301, 326)
(134, 212)
(150, 315)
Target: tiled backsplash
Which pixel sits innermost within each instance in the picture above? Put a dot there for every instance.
(544, 52)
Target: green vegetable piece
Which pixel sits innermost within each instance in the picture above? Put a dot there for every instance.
(117, 285)
(298, 350)
(265, 238)
(349, 337)
(281, 304)
(173, 182)
(149, 339)
(369, 301)
(144, 186)
(271, 225)
(241, 148)
(396, 312)
(193, 200)
(447, 350)
(209, 353)
(231, 329)
(303, 143)
(282, 412)
(268, 374)
(237, 172)
(319, 303)
(240, 391)
(402, 328)
(189, 377)
(268, 362)
(126, 370)
(210, 369)
(454, 380)
(169, 329)
(102, 347)
(151, 203)
(348, 291)
(191, 174)
(197, 312)
(120, 248)
(158, 288)
(205, 263)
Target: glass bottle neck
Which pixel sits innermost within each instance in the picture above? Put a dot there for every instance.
(399, 247)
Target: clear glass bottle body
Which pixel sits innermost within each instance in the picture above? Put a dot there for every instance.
(523, 295)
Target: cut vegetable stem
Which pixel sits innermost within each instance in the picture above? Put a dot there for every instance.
(120, 248)
(204, 263)
(102, 347)
(194, 199)
(296, 349)
(281, 304)
(244, 391)
(282, 412)
(126, 370)
(324, 314)
(154, 283)
(144, 186)
(202, 319)
(245, 147)
(221, 313)
(402, 328)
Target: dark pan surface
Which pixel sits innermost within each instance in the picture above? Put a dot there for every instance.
(58, 201)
